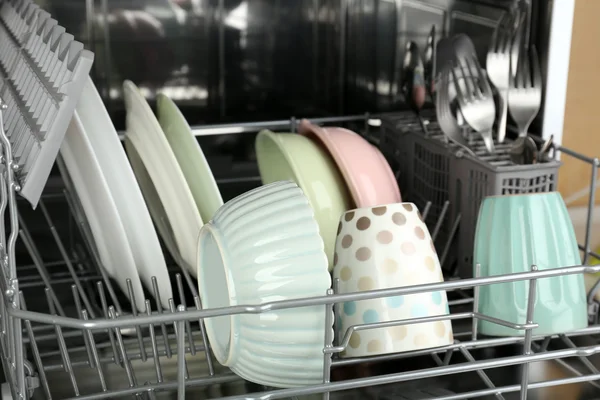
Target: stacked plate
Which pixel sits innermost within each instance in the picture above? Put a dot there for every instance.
(166, 180)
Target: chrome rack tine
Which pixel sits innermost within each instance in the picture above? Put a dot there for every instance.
(426, 210)
(126, 361)
(484, 377)
(80, 315)
(95, 354)
(104, 306)
(448, 357)
(328, 339)
(178, 333)
(206, 344)
(449, 242)
(182, 373)
(155, 355)
(39, 263)
(159, 309)
(528, 335)
(440, 221)
(138, 328)
(545, 343)
(151, 394)
(66, 259)
(187, 322)
(437, 359)
(336, 289)
(476, 289)
(198, 304)
(35, 351)
(588, 225)
(62, 345)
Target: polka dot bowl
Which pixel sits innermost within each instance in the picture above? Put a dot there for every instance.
(385, 247)
(260, 247)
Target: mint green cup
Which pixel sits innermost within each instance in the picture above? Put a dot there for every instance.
(513, 233)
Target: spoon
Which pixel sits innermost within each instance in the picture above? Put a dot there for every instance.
(524, 151)
(546, 149)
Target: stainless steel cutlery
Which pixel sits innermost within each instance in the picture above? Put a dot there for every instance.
(512, 69)
(498, 67)
(476, 98)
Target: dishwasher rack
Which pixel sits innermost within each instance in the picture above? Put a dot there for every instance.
(90, 333)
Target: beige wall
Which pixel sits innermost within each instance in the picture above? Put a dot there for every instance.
(582, 113)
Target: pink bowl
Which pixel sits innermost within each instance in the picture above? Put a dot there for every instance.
(365, 170)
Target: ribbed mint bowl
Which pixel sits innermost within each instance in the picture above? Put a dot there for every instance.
(260, 247)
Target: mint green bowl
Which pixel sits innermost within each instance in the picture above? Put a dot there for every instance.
(513, 233)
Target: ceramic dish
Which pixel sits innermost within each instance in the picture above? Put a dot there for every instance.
(385, 247)
(100, 210)
(190, 157)
(146, 135)
(288, 156)
(513, 233)
(141, 235)
(260, 247)
(367, 173)
(152, 199)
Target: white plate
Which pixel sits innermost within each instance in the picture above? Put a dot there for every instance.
(147, 136)
(100, 210)
(125, 192)
(190, 157)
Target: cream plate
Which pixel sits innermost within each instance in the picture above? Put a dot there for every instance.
(157, 210)
(100, 210)
(191, 159)
(125, 192)
(153, 148)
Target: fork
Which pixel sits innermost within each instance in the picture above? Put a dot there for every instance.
(446, 120)
(449, 124)
(475, 99)
(525, 89)
(498, 67)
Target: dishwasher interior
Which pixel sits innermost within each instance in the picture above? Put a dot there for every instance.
(235, 67)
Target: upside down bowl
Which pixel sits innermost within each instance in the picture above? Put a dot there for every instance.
(289, 156)
(367, 173)
(260, 247)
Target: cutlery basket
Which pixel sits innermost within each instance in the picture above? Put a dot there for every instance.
(422, 168)
(434, 169)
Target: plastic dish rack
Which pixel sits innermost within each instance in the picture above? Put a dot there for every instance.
(433, 169)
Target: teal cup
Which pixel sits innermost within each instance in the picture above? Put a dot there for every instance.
(513, 233)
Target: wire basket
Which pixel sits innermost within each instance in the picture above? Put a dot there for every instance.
(82, 338)
(452, 176)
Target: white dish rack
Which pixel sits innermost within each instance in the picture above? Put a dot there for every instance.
(88, 342)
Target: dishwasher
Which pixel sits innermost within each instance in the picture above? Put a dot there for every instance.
(68, 330)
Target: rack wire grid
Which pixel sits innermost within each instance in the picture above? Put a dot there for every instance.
(93, 339)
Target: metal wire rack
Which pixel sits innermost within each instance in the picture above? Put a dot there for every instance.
(82, 339)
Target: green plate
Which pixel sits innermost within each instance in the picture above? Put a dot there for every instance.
(190, 157)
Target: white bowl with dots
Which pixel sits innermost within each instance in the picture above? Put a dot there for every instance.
(385, 247)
